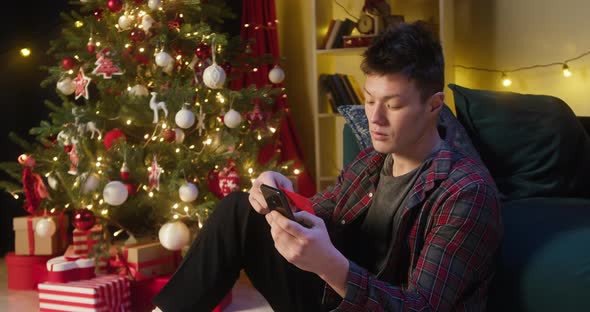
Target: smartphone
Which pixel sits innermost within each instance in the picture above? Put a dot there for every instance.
(277, 200)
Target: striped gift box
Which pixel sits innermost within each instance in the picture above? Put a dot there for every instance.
(83, 241)
(105, 293)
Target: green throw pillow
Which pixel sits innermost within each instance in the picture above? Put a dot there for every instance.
(533, 145)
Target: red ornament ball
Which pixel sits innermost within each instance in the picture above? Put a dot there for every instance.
(112, 136)
(98, 14)
(115, 5)
(213, 183)
(84, 219)
(137, 35)
(91, 48)
(131, 189)
(169, 135)
(203, 51)
(68, 62)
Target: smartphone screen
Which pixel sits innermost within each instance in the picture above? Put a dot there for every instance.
(277, 200)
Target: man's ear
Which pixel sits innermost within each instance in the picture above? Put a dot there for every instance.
(436, 102)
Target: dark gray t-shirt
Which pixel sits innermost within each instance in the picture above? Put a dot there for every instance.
(377, 227)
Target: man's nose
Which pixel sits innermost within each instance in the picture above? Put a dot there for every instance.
(378, 114)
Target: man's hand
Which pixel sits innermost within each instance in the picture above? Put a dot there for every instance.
(309, 248)
(269, 178)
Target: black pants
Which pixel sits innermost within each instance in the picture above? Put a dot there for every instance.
(236, 237)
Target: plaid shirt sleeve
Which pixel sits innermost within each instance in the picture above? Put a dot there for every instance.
(455, 262)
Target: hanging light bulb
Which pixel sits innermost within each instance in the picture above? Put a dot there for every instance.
(566, 70)
(506, 82)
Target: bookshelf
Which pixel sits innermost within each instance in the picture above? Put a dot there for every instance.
(328, 125)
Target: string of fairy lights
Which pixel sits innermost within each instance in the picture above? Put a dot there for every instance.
(505, 73)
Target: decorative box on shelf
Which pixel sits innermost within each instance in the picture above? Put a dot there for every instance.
(103, 293)
(357, 41)
(27, 242)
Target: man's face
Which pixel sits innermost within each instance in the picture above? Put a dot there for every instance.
(398, 119)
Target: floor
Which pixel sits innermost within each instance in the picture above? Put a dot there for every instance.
(245, 297)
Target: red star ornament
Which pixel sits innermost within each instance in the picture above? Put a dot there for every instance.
(106, 68)
(82, 82)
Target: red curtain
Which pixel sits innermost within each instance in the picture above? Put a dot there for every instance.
(260, 16)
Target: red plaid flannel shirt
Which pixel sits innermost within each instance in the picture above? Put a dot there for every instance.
(450, 230)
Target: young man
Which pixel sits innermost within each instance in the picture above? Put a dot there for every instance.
(411, 225)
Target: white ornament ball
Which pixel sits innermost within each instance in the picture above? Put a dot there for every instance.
(45, 227)
(90, 183)
(147, 22)
(139, 90)
(174, 235)
(66, 86)
(163, 59)
(179, 135)
(154, 4)
(52, 181)
(276, 75)
(125, 22)
(214, 76)
(188, 192)
(232, 118)
(185, 118)
(115, 193)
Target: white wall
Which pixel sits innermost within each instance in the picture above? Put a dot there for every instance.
(505, 34)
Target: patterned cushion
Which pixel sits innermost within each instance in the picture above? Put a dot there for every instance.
(357, 120)
(454, 133)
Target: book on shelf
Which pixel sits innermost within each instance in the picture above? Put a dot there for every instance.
(345, 29)
(340, 90)
(336, 30)
(357, 88)
(352, 97)
(333, 32)
(328, 33)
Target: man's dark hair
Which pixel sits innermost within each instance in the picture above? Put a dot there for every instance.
(411, 50)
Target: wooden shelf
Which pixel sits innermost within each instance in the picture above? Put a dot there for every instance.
(342, 51)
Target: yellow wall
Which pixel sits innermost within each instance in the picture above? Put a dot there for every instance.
(507, 34)
(294, 17)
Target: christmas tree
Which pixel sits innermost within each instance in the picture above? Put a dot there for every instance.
(148, 130)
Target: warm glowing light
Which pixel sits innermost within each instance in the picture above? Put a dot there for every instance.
(259, 137)
(54, 158)
(26, 52)
(255, 69)
(506, 82)
(146, 136)
(99, 158)
(175, 206)
(104, 212)
(141, 50)
(175, 217)
(296, 171)
(128, 121)
(566, 70)
(178, 150)
(273, 130)
(185, 208)
(98, 163)
(250, 170)
(208, 141)
(151, 194)
(164, 126)
(78, 24)
(15, 196)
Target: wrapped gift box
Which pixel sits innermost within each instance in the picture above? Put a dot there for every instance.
(26, 242)
(25, 272)
(62, 270)
(142, 292)
(83, 241)
(150, 260)
(105, 293)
